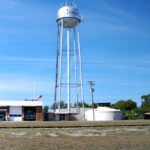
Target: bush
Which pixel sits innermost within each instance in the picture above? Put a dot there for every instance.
(133, 117)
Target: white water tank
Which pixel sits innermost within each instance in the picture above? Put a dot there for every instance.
(69, 15)
(103, 114)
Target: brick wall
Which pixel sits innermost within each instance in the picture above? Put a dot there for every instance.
(51, 117)
(38, 113)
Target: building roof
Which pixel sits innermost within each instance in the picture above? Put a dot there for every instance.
(107, 109)
(80, 110)
(20, 103)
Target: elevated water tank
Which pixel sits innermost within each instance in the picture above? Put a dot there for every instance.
(69, 15)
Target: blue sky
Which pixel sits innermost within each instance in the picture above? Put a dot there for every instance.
(115, 47)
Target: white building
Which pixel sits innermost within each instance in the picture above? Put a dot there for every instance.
(20, 110)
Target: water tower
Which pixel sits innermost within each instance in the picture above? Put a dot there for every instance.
(69, 82)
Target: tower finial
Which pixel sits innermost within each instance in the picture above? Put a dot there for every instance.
(74, 4)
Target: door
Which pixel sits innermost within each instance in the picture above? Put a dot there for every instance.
(15, 113)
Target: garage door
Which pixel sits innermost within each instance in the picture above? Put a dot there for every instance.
(15, 113)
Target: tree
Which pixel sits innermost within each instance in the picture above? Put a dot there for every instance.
(86, 105)
(44, 112)
(145, 106)
(145, 100)
(62, 105)
(95, 105)
(129, 109)
(80, 104)
(119, 105)
(128, 105)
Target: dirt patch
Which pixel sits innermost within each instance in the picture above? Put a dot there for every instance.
(18, 135)
(53, 135)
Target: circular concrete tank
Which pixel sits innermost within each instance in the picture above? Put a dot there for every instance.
(103, 114)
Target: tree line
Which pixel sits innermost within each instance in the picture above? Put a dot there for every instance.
(130, 109)
(79, 104)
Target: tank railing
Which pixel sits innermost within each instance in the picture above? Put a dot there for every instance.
(71, 52)
(71, 85)
(69, 4)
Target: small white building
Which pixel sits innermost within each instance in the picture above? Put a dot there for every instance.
(103, 113)
(20, 110)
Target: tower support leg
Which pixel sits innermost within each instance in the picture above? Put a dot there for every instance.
(60, 64)
(68, 69)
(81, 79)
(56, 77)
(76, 77)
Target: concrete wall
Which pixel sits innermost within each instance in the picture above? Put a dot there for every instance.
(68, 117)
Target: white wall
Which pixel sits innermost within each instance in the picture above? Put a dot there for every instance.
(103, 116)
(15, 118)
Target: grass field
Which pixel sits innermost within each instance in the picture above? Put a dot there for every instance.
(66, 124)
(131, 135)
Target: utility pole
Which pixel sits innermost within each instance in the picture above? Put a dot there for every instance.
(91, 83)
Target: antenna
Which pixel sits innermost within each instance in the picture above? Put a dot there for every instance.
(74, 4)
(82, 18)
